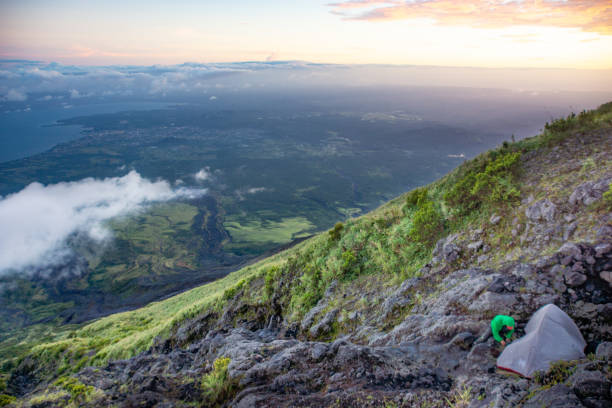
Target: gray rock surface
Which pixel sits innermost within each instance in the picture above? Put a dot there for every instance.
(543, 210)
(604, 350)
(558, 396)
(589, 192)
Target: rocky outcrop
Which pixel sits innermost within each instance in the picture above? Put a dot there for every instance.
(443, 345)
(542, 210)
(590, 192)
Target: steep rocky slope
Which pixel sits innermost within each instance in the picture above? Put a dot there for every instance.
(391, 309)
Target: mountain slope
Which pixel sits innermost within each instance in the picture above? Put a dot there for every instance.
(272, 177)
(389, 309)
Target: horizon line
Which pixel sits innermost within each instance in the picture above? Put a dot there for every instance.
(266, 62)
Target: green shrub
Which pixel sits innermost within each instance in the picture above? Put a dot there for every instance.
(350, 265)
(6, 399)
(427, 224)
(558, 372)
(336, 232)
(217, 386)
(416, 197)
(489, 180)
(232, 291)
(270, 279)
(311, 286)
(78, 391)
(607, 196)
(561, 124)
(461, 398)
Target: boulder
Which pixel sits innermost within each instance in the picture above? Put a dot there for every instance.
(506, 284)
(604, 350)
(493, 303)
(541, 210)
(604, 232)
(321, 305)
(557, 396)
(602, 249)
(607, 276)
(398, 299)
(570, 249)
(589, 192)
(495, 219)
(590, 384)
(325, 325)
(463, 340)
(475, 246)
(451, 252)
(574, 278)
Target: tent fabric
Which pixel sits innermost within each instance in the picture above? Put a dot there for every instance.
(551, 335)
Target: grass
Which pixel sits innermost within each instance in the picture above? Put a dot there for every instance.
(6, 399)
(79, 392)
(461, 398)
(557, 373)
(217, 386)
(607, 196)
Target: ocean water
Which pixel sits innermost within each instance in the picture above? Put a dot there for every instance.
(26, 133)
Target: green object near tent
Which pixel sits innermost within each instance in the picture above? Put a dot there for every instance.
(498, 323)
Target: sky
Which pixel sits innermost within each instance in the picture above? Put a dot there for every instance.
(464, 33)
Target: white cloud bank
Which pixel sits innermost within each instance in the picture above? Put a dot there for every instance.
(38, 221)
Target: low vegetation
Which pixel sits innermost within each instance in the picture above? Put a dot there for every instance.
(217, 386)
(461, 398)
(78, 391)
(488, 181)
(557, 373)
(608, 197)
(6, 399)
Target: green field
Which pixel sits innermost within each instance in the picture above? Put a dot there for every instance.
(261, 233)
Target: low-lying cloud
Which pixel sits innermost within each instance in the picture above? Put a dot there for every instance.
(19, 79)
(203, 175)
(38, 222)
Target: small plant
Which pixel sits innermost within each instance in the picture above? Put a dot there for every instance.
(231, 292)
(587, 165)
(269, 280)
(350, 264)
(427, 224)
(78, 391)
(310, 288)
(558, 372)
(336, 232)
(460, 399)
(6, 399)
(607, 196)
(217, 386)
(416, 197)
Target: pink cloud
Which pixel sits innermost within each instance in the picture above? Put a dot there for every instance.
(588, 15)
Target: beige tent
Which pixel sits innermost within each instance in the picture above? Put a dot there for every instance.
(551, 335)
